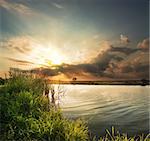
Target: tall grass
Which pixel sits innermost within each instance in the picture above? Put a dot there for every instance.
(25, 114)
(117, 136)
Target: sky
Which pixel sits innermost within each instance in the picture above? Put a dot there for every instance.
(87, 39)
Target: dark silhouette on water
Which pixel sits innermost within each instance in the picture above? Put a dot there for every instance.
(144, 82)
(74, 79)
(52, 96)
(46, 92)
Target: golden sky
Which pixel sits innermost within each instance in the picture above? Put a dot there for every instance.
(84, 39)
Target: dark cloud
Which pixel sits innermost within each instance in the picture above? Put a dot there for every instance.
(45, 71)
(134, 66)
(21, 62)
(125, 50)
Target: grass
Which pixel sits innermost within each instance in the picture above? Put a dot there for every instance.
(26, 116)
(116, 136)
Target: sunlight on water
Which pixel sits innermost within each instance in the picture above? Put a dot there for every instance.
(125, 107)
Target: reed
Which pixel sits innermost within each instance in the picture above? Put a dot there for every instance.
(117, 136)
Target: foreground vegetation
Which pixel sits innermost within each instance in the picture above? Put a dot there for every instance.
(27, 115)
(116, 136)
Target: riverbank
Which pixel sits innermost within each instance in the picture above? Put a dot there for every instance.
(122, 82)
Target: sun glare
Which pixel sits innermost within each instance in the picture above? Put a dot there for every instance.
(47, 56)
(56, 59)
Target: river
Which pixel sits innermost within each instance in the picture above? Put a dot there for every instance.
(124, 107)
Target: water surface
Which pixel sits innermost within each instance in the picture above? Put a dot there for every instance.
(124, 107)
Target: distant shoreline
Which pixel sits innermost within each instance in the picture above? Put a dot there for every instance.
(134, 82)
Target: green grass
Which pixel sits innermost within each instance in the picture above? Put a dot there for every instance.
(26, 116)
(116, 136)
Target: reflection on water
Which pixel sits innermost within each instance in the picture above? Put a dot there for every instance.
(125, 107)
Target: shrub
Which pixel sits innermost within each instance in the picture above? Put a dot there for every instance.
(25, 114)
(21, 83)
(2, 81)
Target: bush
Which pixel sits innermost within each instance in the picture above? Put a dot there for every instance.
(25, 114)
(21, 83)
(2, 81)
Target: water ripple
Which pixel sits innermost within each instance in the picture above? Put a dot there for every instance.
(127, 108)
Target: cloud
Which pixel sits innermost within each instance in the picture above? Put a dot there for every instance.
(95, 67)
(105, 65)
(45, 71)
(111, 62)
(20, 62)
(19, 44)
(124, 39)
(108, 63)
(16, 7)
(136, 66)
(125, 50)
(57, 5)
(144, 44)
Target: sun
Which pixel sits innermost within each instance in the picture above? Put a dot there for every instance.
(47, 56)
(56, 58)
